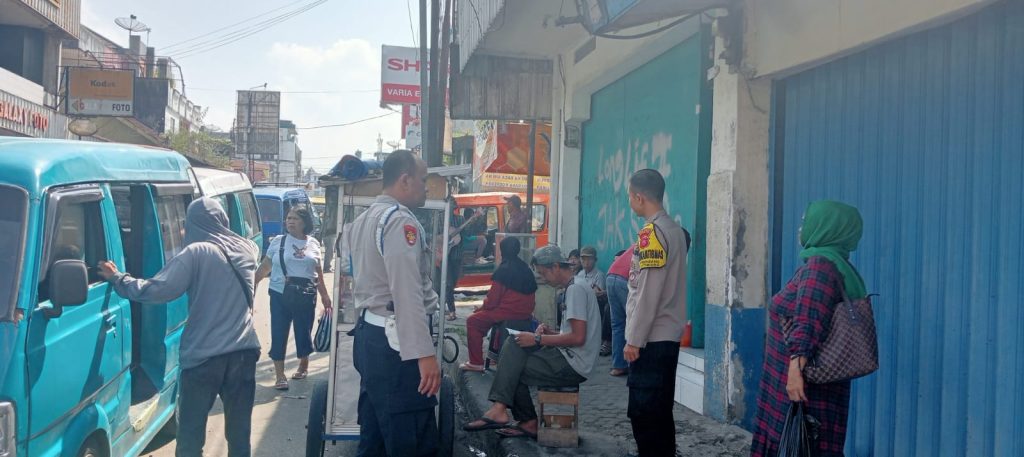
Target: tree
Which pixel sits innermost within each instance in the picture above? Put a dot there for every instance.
(202, 145)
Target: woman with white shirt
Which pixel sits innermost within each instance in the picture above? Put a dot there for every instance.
(293, 262)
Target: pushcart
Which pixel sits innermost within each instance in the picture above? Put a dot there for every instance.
(333, 403)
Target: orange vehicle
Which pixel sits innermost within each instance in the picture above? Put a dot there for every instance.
(478, 237)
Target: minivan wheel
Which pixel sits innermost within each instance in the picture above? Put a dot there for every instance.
(91, 448)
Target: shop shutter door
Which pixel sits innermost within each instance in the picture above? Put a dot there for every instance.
(924, 134)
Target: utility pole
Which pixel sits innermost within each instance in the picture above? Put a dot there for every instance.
(248, 141)
(436, 98)
(529, 176)
(424, 84)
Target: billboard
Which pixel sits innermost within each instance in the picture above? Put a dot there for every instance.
(399, 75)
(257, 125)
(96, 92)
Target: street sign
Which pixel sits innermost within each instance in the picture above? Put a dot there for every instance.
(95, 92)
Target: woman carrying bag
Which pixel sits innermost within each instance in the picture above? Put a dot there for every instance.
(293, 262)
(801, 321)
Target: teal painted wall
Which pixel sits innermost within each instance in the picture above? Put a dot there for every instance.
(657, 116)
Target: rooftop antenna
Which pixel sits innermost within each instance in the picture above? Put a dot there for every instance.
(132, 24)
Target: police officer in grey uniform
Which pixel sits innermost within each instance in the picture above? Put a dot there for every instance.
(655, 313)
(393, 293)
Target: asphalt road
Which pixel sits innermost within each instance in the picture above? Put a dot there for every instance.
(279, 418)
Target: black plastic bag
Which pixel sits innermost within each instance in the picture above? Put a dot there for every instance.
(798, 433)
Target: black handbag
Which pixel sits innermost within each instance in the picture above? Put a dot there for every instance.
(322, 337)
(297, 291)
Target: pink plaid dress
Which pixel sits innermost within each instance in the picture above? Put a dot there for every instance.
(809, 300)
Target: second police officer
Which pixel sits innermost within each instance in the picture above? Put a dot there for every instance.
(393, 350)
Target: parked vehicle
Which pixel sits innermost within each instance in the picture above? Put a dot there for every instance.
(274, 204)
(86, 372)
(494, 206)
(235, 194)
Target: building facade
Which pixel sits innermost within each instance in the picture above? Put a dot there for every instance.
(32, 32)
(160, 107)
(910, 110)
(288, 166)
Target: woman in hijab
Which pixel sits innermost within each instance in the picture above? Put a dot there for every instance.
(219, 347)
(800, 318)
(511, 298)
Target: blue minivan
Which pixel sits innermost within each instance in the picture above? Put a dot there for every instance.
(275, 202)
(83, 371)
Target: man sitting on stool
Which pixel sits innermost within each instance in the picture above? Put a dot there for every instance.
(545, 358)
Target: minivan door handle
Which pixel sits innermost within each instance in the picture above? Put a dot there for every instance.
(110, 322)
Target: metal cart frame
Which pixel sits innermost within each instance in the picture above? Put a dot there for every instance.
(321, 427)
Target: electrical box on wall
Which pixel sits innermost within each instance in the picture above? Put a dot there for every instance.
(572, 136)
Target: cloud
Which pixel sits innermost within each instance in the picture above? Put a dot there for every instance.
(349, 66)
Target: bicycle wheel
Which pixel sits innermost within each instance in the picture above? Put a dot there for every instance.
(451, 349)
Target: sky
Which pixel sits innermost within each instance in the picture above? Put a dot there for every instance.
(333, 47)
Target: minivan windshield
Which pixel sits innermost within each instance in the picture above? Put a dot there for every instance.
(13, 215)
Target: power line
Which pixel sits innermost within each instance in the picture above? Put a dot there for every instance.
(346, 123)
(244, 33)
(240, 34)
(412, 30)
(352, 91)
(176, 44)
(230, 31)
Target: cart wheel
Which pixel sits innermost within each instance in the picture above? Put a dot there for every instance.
(317, 419)
(450, 350)
(446, 418)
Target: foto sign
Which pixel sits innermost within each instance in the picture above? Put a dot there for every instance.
(95, 92)
(399, 75)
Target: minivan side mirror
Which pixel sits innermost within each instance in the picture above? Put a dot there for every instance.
(69, 283)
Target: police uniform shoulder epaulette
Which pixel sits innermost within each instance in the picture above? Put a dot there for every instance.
(385, 218)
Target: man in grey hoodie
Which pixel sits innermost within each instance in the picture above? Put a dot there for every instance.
(219, 347)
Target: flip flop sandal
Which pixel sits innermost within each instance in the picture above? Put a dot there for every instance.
(300, 375)
(488, 424)
(515, 432)
(282, 384)
(466, 366)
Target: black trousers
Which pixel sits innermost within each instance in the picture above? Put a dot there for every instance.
(394, 419)
(606, 318)
(652, 383)
(232, 376)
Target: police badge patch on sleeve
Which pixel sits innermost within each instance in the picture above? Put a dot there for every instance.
(650, 252)
(410, 235)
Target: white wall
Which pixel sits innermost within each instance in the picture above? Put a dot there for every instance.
(14, 84)
(784, 36)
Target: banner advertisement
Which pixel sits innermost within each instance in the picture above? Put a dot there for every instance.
(96, 92)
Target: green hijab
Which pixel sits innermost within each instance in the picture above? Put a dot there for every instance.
(832, 230)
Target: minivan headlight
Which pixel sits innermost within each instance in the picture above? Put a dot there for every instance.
(8, 430)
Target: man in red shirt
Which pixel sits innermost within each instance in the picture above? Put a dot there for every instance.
(518, 220)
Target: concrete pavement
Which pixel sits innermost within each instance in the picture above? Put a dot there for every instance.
(279, 417)
(604, 428)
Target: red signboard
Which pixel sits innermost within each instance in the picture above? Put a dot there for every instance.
(511, 152)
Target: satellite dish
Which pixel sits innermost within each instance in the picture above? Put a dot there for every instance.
(131, 24)
(83, 127)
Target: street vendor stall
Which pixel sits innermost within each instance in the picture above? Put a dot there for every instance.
(333, 410)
